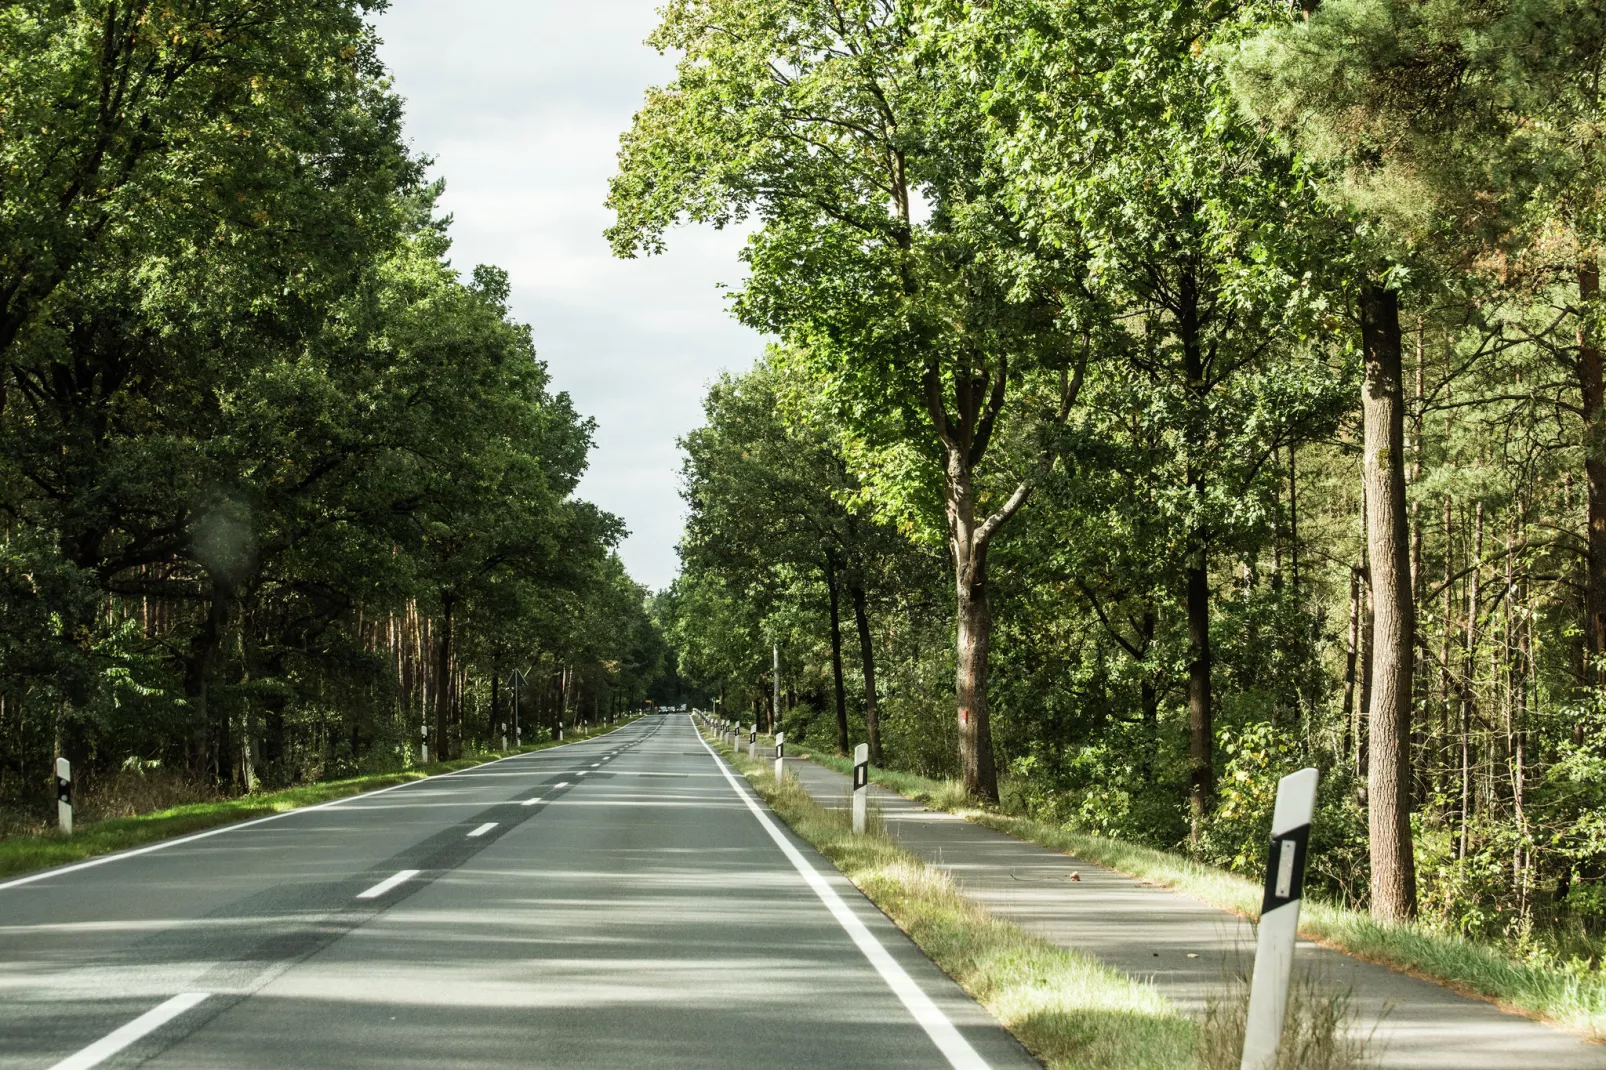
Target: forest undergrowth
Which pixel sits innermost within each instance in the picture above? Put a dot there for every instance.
(126, 818)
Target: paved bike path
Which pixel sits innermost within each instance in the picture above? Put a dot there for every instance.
(1189, 948)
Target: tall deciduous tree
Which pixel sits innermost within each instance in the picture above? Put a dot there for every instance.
(876, 257)
(1126, 157)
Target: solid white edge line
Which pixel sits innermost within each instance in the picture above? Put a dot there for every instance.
(387, 884)
(954, 1047)
(118, 1039)
(134, 852)
(482, 830)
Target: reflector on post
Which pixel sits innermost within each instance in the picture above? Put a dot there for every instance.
(64, 795)
(861, 786)
(1279, 919)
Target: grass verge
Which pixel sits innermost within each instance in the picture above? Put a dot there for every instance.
(1575, 1001)
(1070, 1010)
(24, 854)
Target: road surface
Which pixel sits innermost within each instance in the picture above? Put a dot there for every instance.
(619, 902)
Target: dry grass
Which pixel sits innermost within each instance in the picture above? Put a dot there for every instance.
(1320, 1034)
(134, 790)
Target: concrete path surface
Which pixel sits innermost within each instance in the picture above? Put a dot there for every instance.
(618, 902)
(1188, 948)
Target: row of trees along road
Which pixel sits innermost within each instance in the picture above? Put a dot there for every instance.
(278, 488)
(1175, 393)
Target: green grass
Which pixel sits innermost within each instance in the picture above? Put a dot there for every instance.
(23, 854)
(1070, 1010)
(1575, 1001)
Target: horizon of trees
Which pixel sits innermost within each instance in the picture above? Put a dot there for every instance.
(1177, 394)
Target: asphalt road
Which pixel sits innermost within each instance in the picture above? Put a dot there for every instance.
(620, 902)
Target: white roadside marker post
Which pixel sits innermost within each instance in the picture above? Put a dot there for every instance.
(861, 786)
(423, 731)
(1279, 919)
(752, 743)
(780, 755)
(64, 795)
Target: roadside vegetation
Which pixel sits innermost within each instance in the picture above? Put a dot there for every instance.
(1574, 999)
(23, 852)
(1165, 397)
(1066, 1007)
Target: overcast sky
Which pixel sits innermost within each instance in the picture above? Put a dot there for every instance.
(521, 103)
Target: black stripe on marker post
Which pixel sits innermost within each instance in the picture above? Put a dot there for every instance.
(861, 775)
(1285, 868)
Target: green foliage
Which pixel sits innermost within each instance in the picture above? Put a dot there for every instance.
(270, 471)
(1175, 208)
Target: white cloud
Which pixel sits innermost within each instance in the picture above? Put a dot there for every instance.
(521, 103)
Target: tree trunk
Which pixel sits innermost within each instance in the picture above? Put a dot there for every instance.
(1368, 621)
(1201, 730)
(1293, 522)
(972, 634)
(1351, 658)
(198, 663)
(491, 725)
(1594, 439)
(833, 585)
(1388, 544)
(1444, 642)
(1469, 669)
(443, 680)
(1149, 690)
(872, 716)
(1201, 734)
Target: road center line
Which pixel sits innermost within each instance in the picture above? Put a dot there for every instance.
(532, 802)
(482, 830)
(118, 1039)
(387, 884)
(562, 785)
(954, 1047)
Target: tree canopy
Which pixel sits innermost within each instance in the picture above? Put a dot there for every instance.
(283, 495)
(1245, 362)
